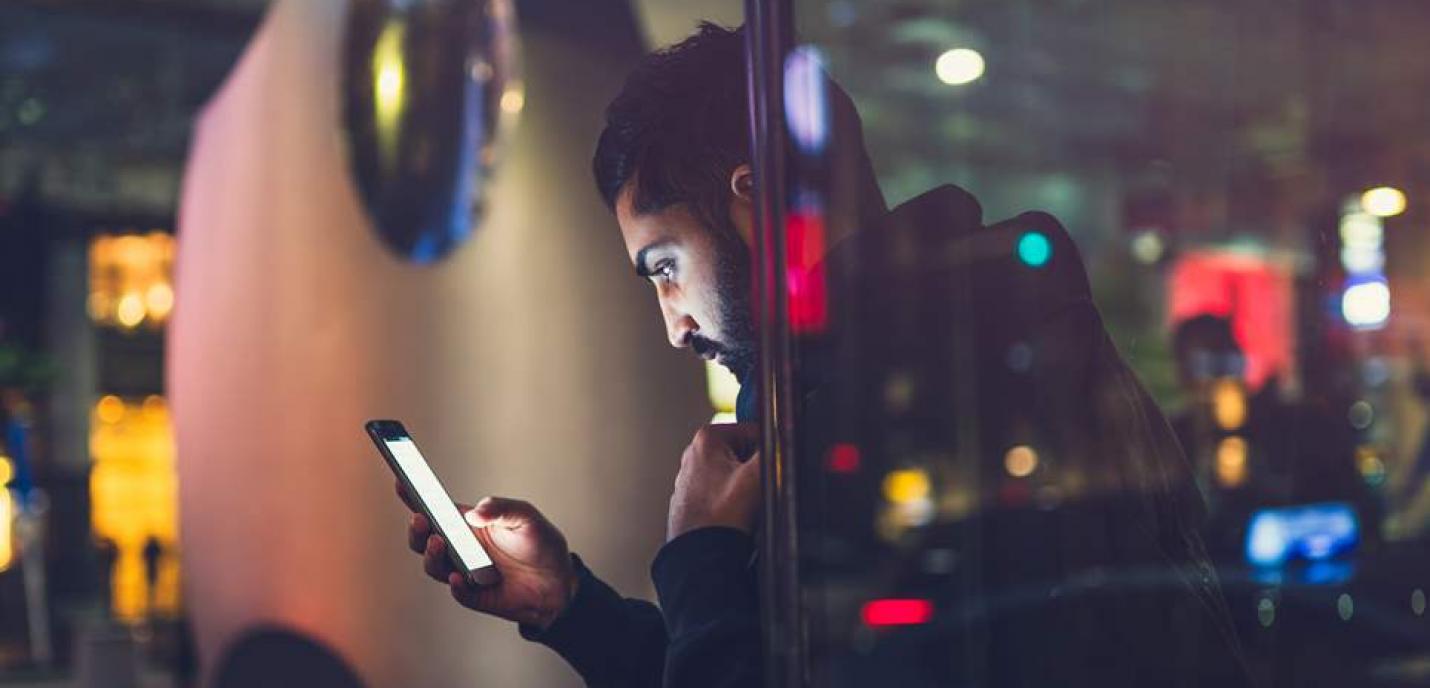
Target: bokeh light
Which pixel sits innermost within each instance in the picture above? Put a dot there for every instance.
(1229, 403)
(1034, 249)
(959, 66)
(1366, 305)
(1020, 461)
(906, 485)
(1383, 201)
(1231, 461)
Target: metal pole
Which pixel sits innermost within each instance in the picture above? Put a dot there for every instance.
(768, 37)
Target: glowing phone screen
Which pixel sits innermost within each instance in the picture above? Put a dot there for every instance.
(450, 523)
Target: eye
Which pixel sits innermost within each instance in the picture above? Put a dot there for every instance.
(664, 270)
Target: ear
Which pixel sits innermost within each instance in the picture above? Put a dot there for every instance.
(742, 182)
(742, 203)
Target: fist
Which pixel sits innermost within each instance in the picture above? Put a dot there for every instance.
(717, 485)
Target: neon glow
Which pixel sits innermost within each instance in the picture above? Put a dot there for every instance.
(804, 272)
(1034, 249)
(1314, 532)
(896, 612)
(806, 104)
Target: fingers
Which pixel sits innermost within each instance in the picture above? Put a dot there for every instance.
(434, 559)
(502, 512)
(749, 471)
(418, 529)
(405, 497)
(464, 592)
(741, 439)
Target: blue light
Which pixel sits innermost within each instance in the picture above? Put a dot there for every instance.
(1315, 532)
(1034, 249)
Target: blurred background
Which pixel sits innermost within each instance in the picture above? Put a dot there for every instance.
(196, 315)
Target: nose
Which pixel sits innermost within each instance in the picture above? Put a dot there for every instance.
(678, 326)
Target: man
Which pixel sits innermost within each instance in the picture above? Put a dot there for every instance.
(672, 163)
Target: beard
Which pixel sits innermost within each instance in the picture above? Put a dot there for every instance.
(737, 347)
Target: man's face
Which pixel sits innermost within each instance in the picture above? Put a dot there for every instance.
(701, 277)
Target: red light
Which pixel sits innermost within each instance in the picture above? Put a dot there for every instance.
(897, 612)
(843, 458)
(804, 272)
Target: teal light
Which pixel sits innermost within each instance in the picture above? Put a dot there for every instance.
(1034, 249)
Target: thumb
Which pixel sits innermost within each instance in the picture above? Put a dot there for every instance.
(749, 471)
(500, 511)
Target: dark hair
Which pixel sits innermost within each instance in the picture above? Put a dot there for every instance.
(679, 127)
(1206, 330)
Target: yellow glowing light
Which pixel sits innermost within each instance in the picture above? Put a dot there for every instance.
(906, 485)
(131, 311)
(1371, 468)
(1383, 201)
(389, 84)
(513, 100)
(722, 386)
(7, 470)
(1229, 404)
(959, 66)
(1231, 462)
(159, 300)
(110, 409)
(1020, 461)
(130, 279)
(133, 497)
(7, 515)
(154, 408)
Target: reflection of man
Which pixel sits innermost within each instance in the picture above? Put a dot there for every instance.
(1254, 448)
(672, 163)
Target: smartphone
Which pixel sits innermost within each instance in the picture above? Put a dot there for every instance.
(421, 483)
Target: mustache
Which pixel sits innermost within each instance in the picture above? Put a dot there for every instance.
(705, 347)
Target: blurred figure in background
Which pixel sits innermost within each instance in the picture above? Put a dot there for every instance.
(1255, 448)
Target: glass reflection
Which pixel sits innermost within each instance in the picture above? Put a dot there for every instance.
(430, 84)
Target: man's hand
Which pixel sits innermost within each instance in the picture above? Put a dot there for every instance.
(538, 579)
(715, 486)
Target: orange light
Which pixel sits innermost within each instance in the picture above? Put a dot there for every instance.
(110, 409)
(1231, 461)
(1020, 461)
(134, 498)
(1229, 404)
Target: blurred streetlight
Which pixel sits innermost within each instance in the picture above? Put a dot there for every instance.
(959, 66)
(1383, 201)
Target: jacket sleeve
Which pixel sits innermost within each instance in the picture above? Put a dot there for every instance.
(707, 594)
(609, 640)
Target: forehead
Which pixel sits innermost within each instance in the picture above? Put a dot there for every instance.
(672, 224)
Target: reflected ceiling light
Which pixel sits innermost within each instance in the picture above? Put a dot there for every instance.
(1383, 201)
(959, 66)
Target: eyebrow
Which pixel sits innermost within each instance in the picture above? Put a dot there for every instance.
(642, 269)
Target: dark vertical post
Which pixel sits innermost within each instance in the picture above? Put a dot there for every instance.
(768, 37)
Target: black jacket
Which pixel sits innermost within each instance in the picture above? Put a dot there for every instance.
(1078, 397)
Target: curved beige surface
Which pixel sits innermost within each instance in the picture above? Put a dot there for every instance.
(529, 363)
